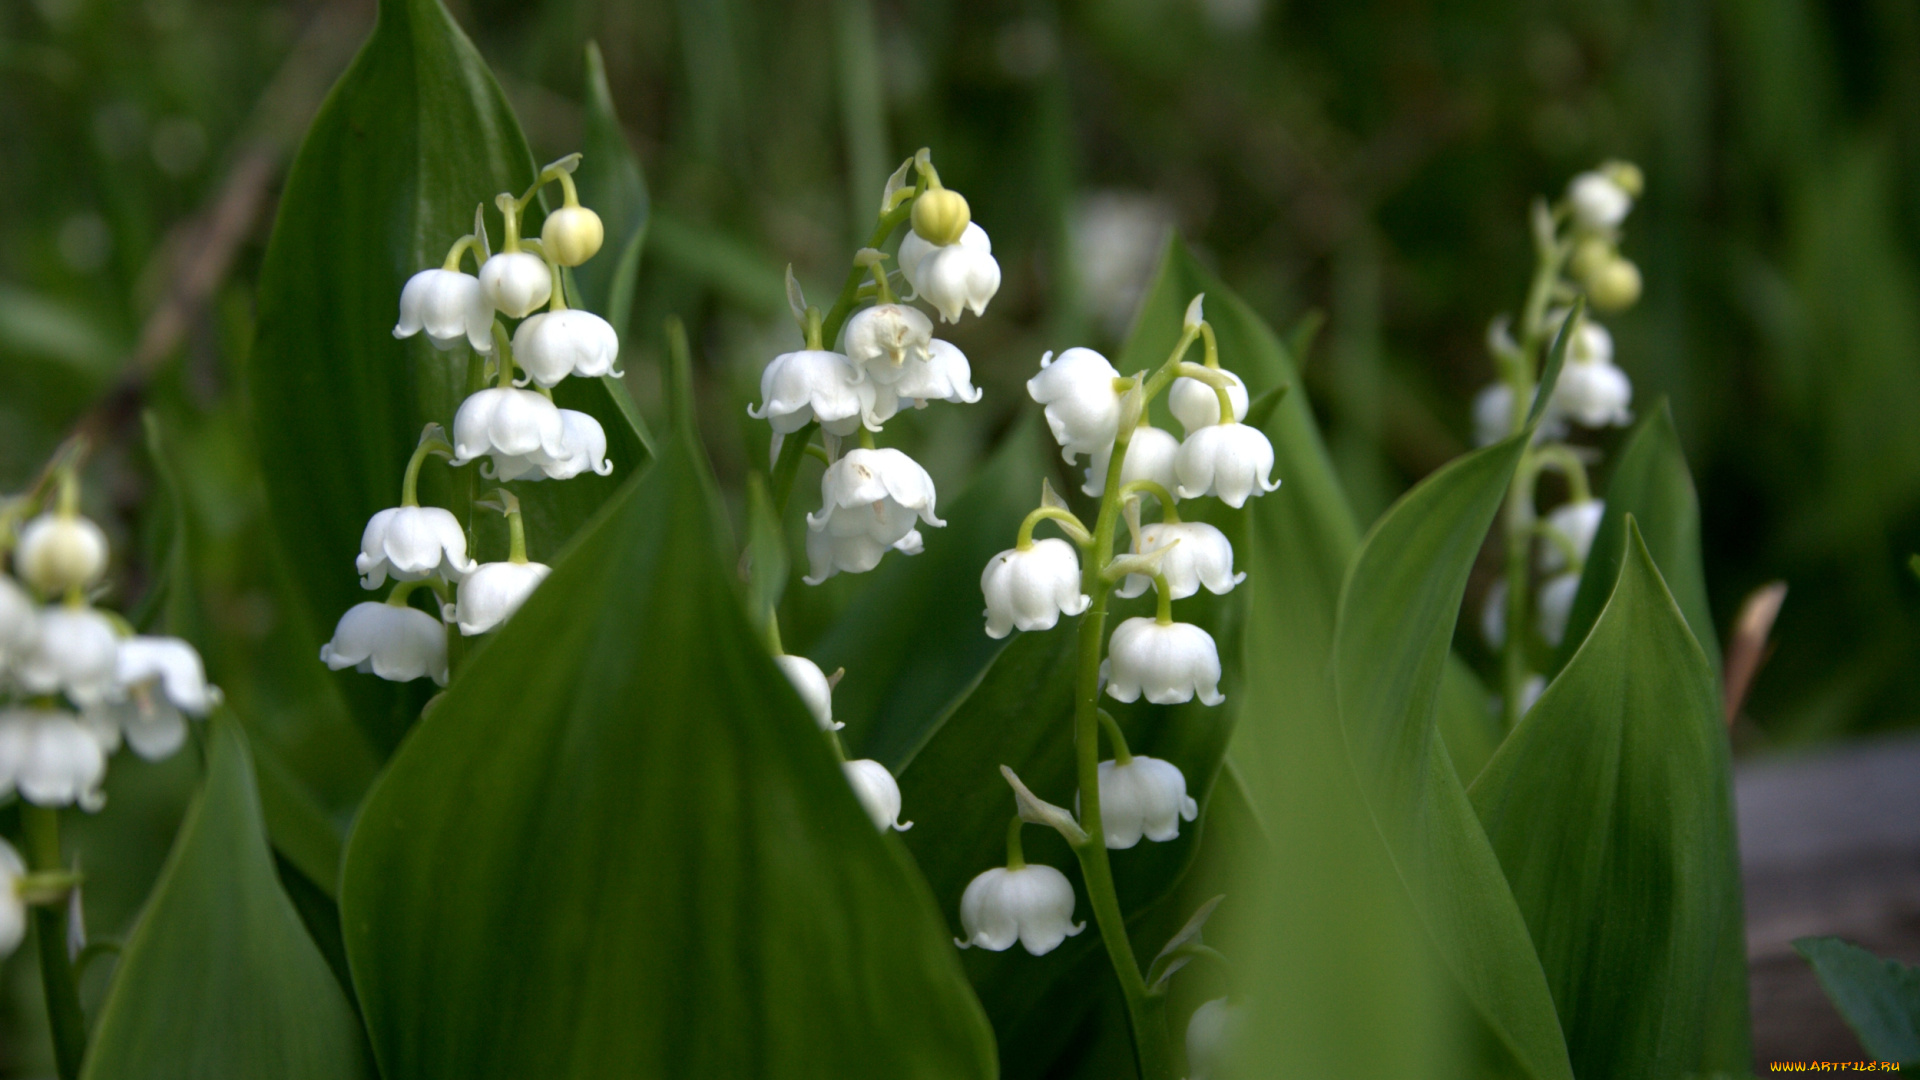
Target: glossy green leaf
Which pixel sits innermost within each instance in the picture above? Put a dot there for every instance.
(1397, 614)
(412, 138)
(1614, 796)
(220, 980)
(620, 846)
(1879, 998)
(1651, 482)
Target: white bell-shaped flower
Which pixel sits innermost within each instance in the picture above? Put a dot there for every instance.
(1598, 201)
(1578, 522)
(51, 759)
(1555, 604)
(162, 679)
(952, 277)
(507, 423)
(1594, 395)
(878, 793)
(1230, 461)
(409, 543)
(57, 552)
(492, 593)
(449, 305)
(869, 501)
(944, 375)
(1211, 1032)
(516, 283)
(813, 384)
(19, 623)
(13, 910)
(1169, 663)
(583, 448)
(555, 344)
(74, 654)
(1492, 414)
(813, 686)
(392, 641)
(1031, 904)
(882, 340)
(1082, 406)
(1031, 589)
(1197, 405)
(1196, 554)
(1144, 797)
(1150, 454)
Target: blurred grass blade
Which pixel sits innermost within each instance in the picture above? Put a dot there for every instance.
(1614, 795)
(220, 979)
(620, 846)
(863, 114)
(1879, 998)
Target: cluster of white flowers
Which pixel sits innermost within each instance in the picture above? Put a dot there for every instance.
(516, 433)
(1093, 410)
(76, 683)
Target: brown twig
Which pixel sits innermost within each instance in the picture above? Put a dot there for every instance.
(1747, 647)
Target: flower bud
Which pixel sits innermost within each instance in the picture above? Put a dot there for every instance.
(1196, 554)
(816, 693)
(1578, 522)
(1594, 395)
(409, 543)
(1231, 461)
(396, 643)
(940, 215)
(1615, 286)
(1144, 797)
(491, 594)
(51, 759)
(1081, 404)
(1197, 405)
(878, 793)
(1555, 605)
(1210, 1036)
(572, 234)
(1627, 175)
(1590, 255)
(516, 282)
(1031, 589)
(1030, 904)
(13, 910)
(1599, 202)
(1170, 663)
(58, 552)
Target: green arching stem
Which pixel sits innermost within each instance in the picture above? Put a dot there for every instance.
(1121, 755)
(403, 590)
(510, 217)
(516, 528)
(1168, 514)
(839, 749)
(1564, 542)
(558, 301)
(773, 633)
(787, 467)
(882, 292)
(866, 439)
(503, 352)
(817, 452)
(569, 195)
(1562, 459)
(561, 170)
(1163, 613)
(64, 1014)
(410, 484)
(1016, 856)
(843, 305)
(815, 340)
(1212, 345)
(458, 250)
(1071, 525)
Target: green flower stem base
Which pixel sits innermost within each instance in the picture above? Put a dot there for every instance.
(64, 1015)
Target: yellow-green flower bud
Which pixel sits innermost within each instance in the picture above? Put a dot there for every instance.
(940, 216)
(1627, 175)
(572, 235)
(1590, 256)
(1615, 286)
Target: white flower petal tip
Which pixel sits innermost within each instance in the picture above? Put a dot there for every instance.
(1211, 1032)
(515, 283)
(1196, 312)
(1169, 664)
(13, 910)
(448, 305)
(555, 344)
(1031, 589)
(870, 500)
(1230, 461)
(1150, 454)
(956, 277)
(882, 340)
(944, 375)
(410, 543)
(493, 592)
(813, 686)
(170, 665)
(1197, 405)
(75, 652)
(57, 552)
(1578, 523)
(51, 758)
(1031, 904)
(1598, 201)
(1082, 407)
(1197, 554)
(812, 384)
(1145, 797)
(878, 793)
(396, 643)
(1555, 605)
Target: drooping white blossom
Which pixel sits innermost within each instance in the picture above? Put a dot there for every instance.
(1196, 554)
(1031, 589)
(1594, 395)
(19, 624)
(1150, 454)
(583, 448)
(410, 543)
(51, 758)
(869, 502)
(1144, 797)
(57, 552)
(1031, 904)
(1578, 522)
(450, 306)
(1230, 461)
(953, 277)
(1555, 604)
(392, 641)
(883, 339)
(944, 375)
(815, 690)
(491, 594)
(74, 653)
(1211, 1032)
(1082, 405)
(1169, 664)
(506, 422)
(161, 679)
(555, 344)
(13, 910)
(878, 793)
(1598, 200)
(516, 282)
(1197, 405)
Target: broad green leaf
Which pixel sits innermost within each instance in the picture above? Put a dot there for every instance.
(1879, 998)
(1397, 614)
(619, 846)
(1651, 482)
(220, 980)
(412, 138)
(1614, 797)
